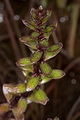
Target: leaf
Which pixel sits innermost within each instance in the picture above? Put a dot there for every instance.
(4, 108)
(32, 50)
(24, 61)
(28, 68)
(44, 79)
(10, 88)
(36, 57)
(46, 35)
(44, 43)
(8, 96)
(20, 109)
(45, 68)
(33, 13)
(39, 96)
(32, 83)
(57, 74)
(22, 105)
(30, 24)
(20, 88)
(17, 115)
(34, 35)
(28, 41)
(45, 18)
(25, 73)
(52, 51)
(50, 28)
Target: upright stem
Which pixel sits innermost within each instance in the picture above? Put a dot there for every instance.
(73, 29)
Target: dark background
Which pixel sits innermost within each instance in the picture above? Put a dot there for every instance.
(64, 93)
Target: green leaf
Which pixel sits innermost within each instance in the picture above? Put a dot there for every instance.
(4, 108)
(45, 18)
(44, 43)
(32, 50)
(52, 51)
(24, 61)
(34, 35)
(46, 35)
(20, 88)
(45, 68)
(39, 96)
(22, 105)
(44, 79)
(8, 96)
(33, 13)
(50, 28)
(30, 24)
(28, 41)
(17, 115)
(28, 68)
(36, 57)
(32, 83)
(57, 74)
(10, 88)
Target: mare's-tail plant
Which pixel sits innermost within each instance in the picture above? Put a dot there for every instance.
(35, 68)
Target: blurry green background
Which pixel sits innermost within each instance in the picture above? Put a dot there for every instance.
(64, 93)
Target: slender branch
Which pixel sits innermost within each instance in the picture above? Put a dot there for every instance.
(15, 25)
(50, 88)
(12, 38)
(72, 32)
(73, 109)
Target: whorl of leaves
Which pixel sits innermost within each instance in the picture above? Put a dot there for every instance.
(35, 68)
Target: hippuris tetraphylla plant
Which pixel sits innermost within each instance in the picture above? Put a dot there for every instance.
(35, 69)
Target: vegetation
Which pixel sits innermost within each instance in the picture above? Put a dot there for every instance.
(35, 68)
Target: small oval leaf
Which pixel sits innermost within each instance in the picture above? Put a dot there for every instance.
(39, 96)
(44, 79)
(50, 28)
(45, 18)
(20, 88)
(28, 41)
(17, 115)
(24, 61)
(57, 74)
(28, 68)
(34, 35)
(45, 68)
(35, 57)
(30, 24)
(22, 105)
(32, 83)
(4, 108)
(52, 51)
(44, 43)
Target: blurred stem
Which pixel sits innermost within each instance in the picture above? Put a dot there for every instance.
(50, 88)
(73, 109)
(12, 38)
(15, 25)
(72, 33)
(61, 3)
